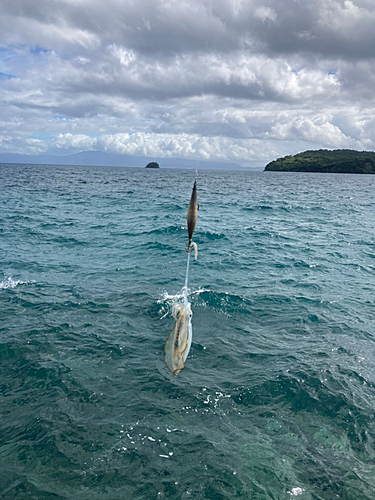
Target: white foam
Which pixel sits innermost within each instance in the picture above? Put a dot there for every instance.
(169, 300)
(295, 491)
(10, 283)
(166, 297)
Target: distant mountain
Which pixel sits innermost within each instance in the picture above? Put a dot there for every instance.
(345, 161)
(97, 158)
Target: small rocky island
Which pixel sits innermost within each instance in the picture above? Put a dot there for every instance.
(152, 164)
(343, 161)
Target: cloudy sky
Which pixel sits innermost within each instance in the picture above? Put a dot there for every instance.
(239, 80)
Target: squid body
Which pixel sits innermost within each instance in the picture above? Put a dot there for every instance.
(178, 343)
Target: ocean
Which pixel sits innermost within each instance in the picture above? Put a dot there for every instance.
(276, 400)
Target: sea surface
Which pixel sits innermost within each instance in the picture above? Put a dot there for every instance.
(276, 400)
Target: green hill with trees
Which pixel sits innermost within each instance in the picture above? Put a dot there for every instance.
(343, 161)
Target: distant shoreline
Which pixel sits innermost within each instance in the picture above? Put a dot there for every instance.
(101, 159)
(340, 161)
(236, 168)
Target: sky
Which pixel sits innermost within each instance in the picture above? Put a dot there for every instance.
(244, 81)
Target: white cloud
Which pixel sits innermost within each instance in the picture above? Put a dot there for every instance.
(36, 146)
(348, 18)
(78, 142)
(228, 79)
(122, 54)
(197, 147)
(265, 14)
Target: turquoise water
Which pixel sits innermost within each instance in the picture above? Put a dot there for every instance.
(277, 397)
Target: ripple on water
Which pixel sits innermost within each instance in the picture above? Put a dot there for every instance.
(276, 400)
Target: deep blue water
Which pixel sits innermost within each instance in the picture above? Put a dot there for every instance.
(277, 397)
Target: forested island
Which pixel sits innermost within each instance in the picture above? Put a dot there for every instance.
(343, 161)
(152, 164)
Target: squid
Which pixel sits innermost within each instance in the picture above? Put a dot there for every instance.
(178, 343)
(192, 214)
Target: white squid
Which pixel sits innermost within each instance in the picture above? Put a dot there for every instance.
(178, 343)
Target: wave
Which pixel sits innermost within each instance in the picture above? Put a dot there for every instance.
(258, 207)
(11, 283)
(160, 231)
(209, 236)
(309, 392)
(179, 295)
(200, 236)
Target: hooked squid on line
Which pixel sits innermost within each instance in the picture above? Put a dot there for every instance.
(177, 345)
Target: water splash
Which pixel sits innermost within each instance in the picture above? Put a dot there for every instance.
(11, 283)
